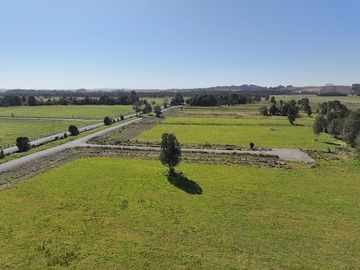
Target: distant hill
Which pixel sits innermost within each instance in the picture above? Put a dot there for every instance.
(244, 87)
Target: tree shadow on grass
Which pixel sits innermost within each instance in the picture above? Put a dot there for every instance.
(180, 181)
(331, 143)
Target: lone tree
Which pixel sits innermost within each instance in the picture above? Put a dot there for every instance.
(23, 143)
(170, 154)
(73, 130)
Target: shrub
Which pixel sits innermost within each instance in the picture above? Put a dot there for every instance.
(122, 117)
(107, 121)
(2, 154)
(73, 130)
(251, 145)
(263, 110)
(23, 143)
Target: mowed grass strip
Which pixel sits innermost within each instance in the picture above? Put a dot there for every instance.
(110, 213)
(70, 111)
(262, 132)
(249, 121)
(10, 129)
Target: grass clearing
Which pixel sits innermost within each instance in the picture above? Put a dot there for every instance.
(13, 128)
(111, 213)
(263, 132)
(70, 111)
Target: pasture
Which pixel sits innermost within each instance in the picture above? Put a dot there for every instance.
(13, 128)
(262, 131)
(114, 213)
(70, 111)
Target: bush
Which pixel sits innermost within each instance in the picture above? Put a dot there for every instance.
(23, 143)
(65, 135)
(73, 130)
(2, 154)
(252, 145)
(264, 110)
(122, 117)
(107, 121)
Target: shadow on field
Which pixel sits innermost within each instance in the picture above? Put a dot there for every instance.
(180, 181)
(331, 143)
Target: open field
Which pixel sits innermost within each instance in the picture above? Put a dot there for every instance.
(263, 132)
(112, 213)
(13, 128)
(70, 111)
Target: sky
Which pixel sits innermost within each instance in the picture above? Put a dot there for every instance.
(163, 44)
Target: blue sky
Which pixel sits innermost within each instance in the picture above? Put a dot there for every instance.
(160, 44)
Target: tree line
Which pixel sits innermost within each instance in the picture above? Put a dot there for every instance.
(127, 98)
(290, 108)
(223, 99)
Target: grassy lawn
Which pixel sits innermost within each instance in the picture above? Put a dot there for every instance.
(263, 132)
(230, 111)
(12, 128)
(71, 111)
(112, 213)
(241, 121)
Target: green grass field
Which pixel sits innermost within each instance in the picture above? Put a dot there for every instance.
(263, 132)
(112, 213)
(71, 111)
(12, 128)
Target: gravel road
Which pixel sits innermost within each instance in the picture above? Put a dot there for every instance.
(282, 153)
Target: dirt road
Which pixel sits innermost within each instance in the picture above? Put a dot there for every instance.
(13, 164)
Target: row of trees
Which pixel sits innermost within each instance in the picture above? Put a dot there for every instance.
(121, 99)
(222, 100)
(290, 109)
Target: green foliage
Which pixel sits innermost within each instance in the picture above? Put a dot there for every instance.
(357, 143)
(74, 131)
(31, 101)
(177, 100)
(273, 110)
(137, 107)
(147, 108)
(352, 127)
(170, 153)
(263, 110)
(356, 89)
(23, 143)
(158, 111)
(292, 113)
(107, 121)
(319, 125)
(111, 213)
